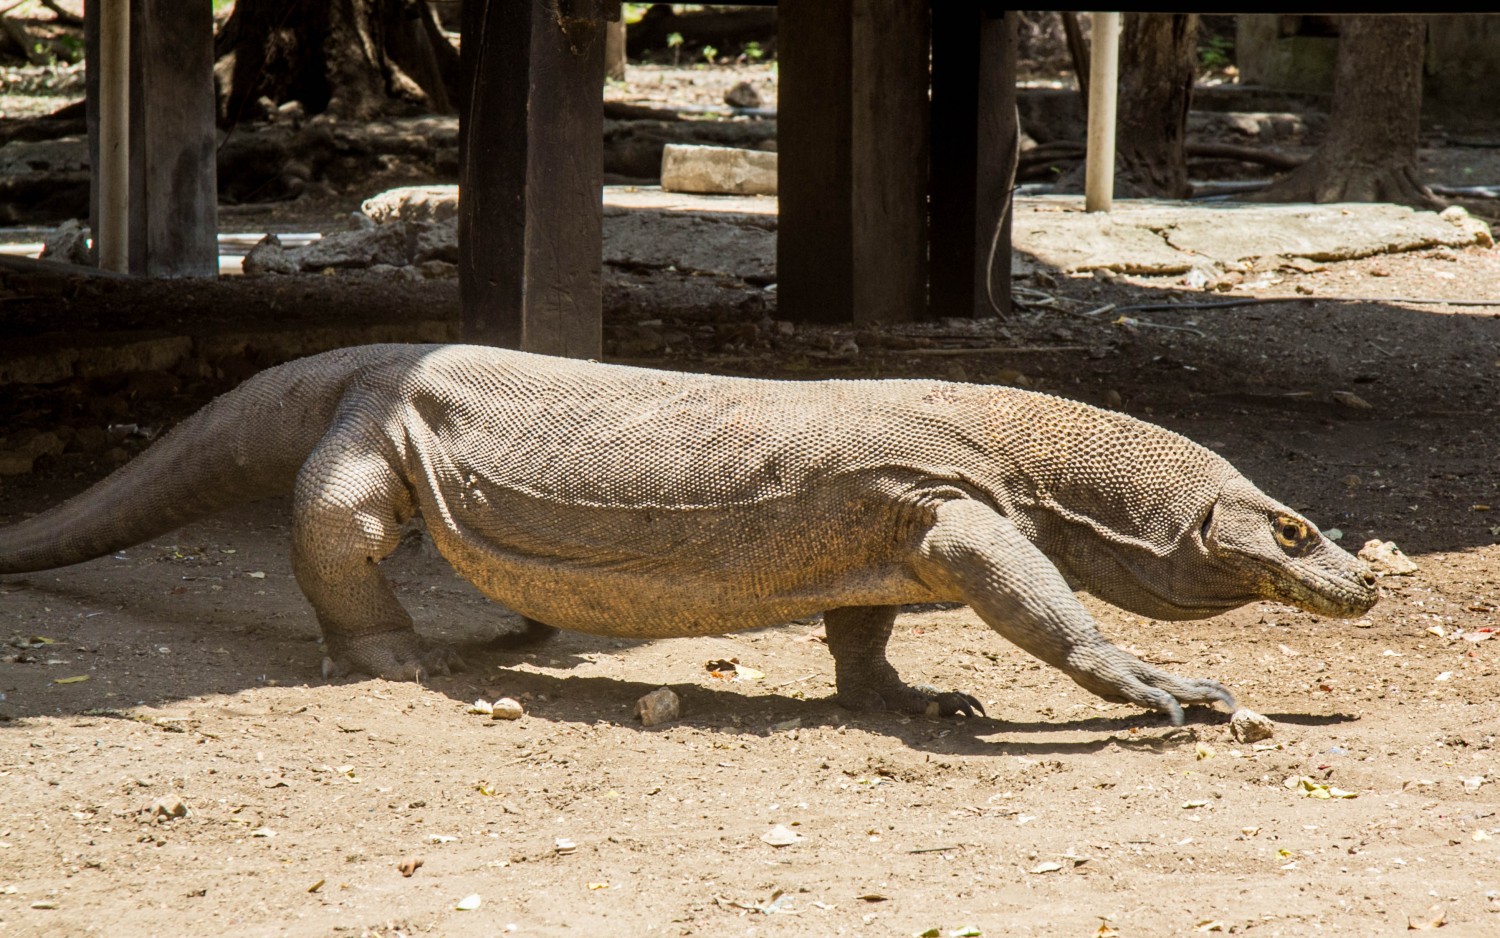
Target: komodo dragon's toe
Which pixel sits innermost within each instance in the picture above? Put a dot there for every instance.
(921, 700)
(395, 656)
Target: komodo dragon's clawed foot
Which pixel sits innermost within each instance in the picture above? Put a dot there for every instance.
(1123, 678)
(922, 699)
(395, 656)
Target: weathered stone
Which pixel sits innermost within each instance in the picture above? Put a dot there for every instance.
(659, 706)
(1247, 726)
(1386, 559)
(268, 257)
(431, 241)
(722, 170)
(166, 807)
(68, 242)
(743, 94)
(385, 244)
(414, 204)
(506, 708)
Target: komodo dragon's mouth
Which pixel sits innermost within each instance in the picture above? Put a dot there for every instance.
(1320, 591)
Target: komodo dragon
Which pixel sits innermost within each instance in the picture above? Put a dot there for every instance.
(637, 503)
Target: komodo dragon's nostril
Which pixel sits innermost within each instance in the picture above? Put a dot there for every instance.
(1367, 577)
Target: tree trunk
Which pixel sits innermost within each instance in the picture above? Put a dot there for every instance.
(1158, 54)
(349, 58)
(1370, 153)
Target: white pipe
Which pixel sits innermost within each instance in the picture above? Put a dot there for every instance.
(113, 237)
(1104, 77)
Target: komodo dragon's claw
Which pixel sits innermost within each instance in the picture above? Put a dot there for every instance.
(395, 656)
(957, 702)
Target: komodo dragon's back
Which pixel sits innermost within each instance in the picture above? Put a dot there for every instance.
(628, 501)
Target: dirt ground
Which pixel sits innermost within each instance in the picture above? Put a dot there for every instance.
(186, 670)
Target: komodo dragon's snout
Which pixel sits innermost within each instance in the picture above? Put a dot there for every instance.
(1284, 555)
(646, 504)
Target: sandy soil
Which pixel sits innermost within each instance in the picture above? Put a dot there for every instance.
(185, 671)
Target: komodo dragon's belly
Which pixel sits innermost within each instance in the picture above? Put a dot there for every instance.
(629, 502)
(653, 573)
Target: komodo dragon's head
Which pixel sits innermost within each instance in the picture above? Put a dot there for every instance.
(1240, 547)
(1156, 524)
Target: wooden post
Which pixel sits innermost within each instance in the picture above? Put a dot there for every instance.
(531, 175)
(174, 231)
(1104, 86)
(170, 216)
(974, 133)
(853, 141)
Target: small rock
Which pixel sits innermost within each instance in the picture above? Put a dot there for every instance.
(742, 94)
(167, 806)
(269, 257)
(69, 243)
(781, 836)
(659, 706)
(1247, 726)
(1386, 558)
(717, 170)
(506, 708)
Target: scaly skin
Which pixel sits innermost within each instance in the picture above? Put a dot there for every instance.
(628, 502)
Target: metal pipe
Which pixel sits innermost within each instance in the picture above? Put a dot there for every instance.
(112, 240)
(1104, 75)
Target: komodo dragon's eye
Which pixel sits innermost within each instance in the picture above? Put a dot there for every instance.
(1290, 532)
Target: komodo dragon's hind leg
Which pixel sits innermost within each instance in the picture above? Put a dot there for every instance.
(857, 636)
(347, 511)
(974, 554)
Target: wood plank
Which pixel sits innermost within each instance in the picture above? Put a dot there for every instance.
(531, 171)
(852, 136)
(973, 146)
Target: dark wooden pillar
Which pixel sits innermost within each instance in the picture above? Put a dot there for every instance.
(853, 140)
(531, 171)
(973, 146)
(173, 175)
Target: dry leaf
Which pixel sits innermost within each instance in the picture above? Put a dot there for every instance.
(409, 866)
(1434, 917)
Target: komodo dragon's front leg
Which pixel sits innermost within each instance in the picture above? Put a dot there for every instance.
(976, 555)
(348, 509)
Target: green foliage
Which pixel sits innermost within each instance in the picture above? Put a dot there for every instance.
(1216, 52)
(710, 54)
(753, 51)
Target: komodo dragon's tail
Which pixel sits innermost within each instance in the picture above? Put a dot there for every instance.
(246, 444)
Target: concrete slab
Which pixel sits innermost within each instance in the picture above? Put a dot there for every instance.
(1157, 237)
